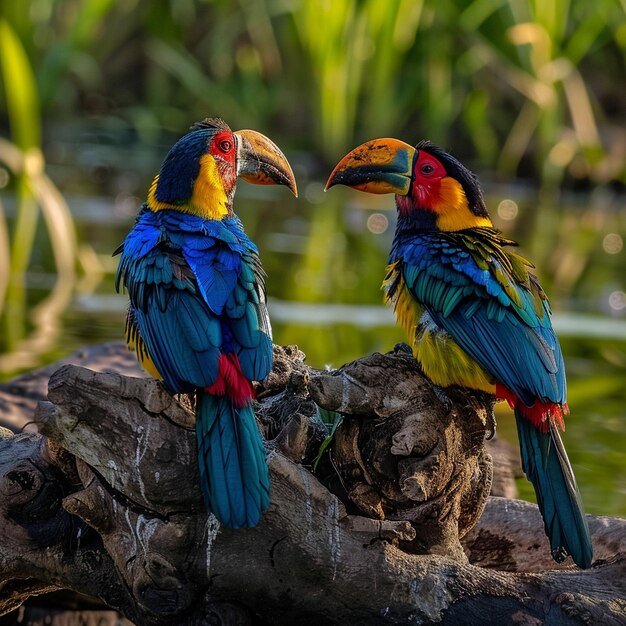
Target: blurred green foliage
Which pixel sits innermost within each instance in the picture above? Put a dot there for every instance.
(522, 88)
(511, 81)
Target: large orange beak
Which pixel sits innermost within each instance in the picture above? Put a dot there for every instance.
(377, 166)
(260, 161)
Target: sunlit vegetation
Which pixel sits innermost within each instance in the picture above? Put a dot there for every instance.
(529, 93)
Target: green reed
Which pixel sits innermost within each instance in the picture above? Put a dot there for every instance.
(515, 87)
(34, 193)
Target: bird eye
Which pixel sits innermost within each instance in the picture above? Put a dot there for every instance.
(427, 168)
(225, 145)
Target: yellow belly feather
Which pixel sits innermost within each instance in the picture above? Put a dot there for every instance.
(135, 343)
(440, 357)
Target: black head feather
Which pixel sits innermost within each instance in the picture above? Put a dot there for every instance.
(211, 123)
(182, 164)
(458, 171)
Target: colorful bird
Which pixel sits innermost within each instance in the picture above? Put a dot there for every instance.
(475, 316)
(197, 317)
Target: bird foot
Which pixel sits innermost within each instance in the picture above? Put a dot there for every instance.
(403, 349)
(443, 398)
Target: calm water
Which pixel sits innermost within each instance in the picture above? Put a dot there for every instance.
(325, 257)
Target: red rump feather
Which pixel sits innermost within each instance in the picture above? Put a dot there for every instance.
(231, 382)
(539, 414)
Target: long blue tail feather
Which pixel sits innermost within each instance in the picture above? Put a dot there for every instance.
(231, 457)
(546, 465)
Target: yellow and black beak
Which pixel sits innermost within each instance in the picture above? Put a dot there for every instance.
(260, 161)
(377, 166)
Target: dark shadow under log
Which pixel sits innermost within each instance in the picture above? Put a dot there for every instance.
(105, 501)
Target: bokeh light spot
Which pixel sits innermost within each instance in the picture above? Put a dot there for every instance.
(377, 223)
(612, 243)
(617, 300)
(4, 177)
(314, 193)
(126, 203)
(507, 209)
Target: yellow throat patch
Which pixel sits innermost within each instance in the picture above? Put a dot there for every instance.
(452, 210)
(208, 199)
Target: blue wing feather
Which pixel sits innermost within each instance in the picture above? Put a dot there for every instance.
(507, 338)
(498, 314)
(197, 290)
(180, 345)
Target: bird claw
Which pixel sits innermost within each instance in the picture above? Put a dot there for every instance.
(403, 349)
(443, 398)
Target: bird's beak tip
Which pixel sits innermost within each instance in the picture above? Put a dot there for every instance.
(377, 166)
(261, 161)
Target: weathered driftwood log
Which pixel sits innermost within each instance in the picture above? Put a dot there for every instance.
(403, 455)
(19, 397)
(105, 501)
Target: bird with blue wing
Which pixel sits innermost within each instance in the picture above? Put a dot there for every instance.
(197, 317)
(474, 314)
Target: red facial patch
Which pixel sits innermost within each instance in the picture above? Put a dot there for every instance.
(428, 169)
(539, 414)
(224, 148)
(427, 175)
(231, 382)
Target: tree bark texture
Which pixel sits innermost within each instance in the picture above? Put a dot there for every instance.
(104, 500)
